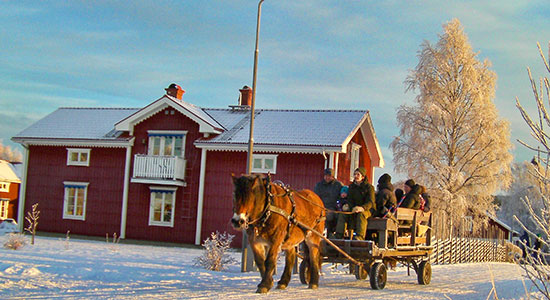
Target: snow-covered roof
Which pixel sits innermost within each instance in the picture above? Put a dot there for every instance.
(8, 172)
(313, 131)
(77, 123)
(329, 128)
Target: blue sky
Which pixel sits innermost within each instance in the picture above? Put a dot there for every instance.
(313, 54)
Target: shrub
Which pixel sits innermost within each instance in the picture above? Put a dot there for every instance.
(215, 257)
(15, 241)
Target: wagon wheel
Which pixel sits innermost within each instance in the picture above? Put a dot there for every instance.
(378, 276)
(424, 273)
(304, 272)
(361, 273)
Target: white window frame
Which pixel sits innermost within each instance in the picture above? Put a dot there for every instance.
(167, 190)
(70, 162)
(4, 187)
(262, 158)
(67, 186)
(162, 134)
(4, 204)
(354, 153)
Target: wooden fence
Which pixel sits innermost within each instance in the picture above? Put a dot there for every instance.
(467, 250)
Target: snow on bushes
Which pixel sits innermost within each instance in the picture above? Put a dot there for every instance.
(215, 256)
(15, 241)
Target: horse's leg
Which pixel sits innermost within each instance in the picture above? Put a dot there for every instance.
(313, 243)
(290, 258)
(270, 264)
(259, 257)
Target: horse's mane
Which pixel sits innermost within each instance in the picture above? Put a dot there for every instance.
(244, 183)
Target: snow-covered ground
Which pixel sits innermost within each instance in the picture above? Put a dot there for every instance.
(56, 268)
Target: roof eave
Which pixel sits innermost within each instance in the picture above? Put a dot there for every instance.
(109, 143)
(269, 148)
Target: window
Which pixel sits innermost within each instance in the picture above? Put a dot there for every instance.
(354, 158)
(74, 203)
(167, 143)
(264, 163)
(4, 208)
(161, 210)
(78, 157)
(4, 187)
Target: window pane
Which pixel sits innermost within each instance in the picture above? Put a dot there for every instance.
(70, 201)
(178, 146)
(268, 164)
(168, 145)
(74, 156)
(257, 163)
(83, 157)
(157, 207)
(80, 202)
(168, 204)
(156, 145)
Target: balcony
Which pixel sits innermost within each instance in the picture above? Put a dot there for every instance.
(159, 169)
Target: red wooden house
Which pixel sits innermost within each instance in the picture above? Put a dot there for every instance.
(162, 172)
(9, 190)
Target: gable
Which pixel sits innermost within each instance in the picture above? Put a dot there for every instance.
(206, 123)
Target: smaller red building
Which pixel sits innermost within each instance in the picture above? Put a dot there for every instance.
(9, 190)
(162, 172)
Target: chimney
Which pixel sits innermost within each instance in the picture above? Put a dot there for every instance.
(175, 91)
(245, 98)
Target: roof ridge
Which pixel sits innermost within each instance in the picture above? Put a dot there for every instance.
(294, 110)
(101, 108)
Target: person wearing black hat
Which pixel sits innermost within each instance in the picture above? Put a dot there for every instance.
(385, 198)
(412, 195)
(362, 203)
(328, 190)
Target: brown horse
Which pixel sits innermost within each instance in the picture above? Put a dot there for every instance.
(277, 218)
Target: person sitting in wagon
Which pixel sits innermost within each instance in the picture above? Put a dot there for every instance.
(361, 200)
(412, 195)
(385, 198)
(328, 190)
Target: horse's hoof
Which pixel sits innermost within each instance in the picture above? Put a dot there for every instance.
(313, 286)
(281, 286)
(262, 290)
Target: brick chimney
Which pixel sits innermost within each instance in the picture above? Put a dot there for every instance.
(175, 91)
(245, 98)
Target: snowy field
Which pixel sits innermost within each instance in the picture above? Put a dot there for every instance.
(81, 269)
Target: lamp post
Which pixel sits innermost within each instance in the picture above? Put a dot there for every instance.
(246, 259)
(252, 105)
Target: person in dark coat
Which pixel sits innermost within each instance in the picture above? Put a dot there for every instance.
(412, 195)
(385, 198)
(328, 190)
(362, 203)
(425, 204)
(399, 194)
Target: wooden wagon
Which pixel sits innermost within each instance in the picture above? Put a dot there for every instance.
(404, 237)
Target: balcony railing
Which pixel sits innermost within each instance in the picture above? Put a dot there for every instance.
(159, 167)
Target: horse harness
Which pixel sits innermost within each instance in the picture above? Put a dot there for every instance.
(270, 207)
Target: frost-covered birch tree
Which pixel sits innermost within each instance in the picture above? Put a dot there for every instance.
(9, 154)
(536, 263)
(452, 139)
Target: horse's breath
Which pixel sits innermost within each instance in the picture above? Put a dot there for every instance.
(277, 218)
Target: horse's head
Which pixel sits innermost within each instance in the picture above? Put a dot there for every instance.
(248, 200)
